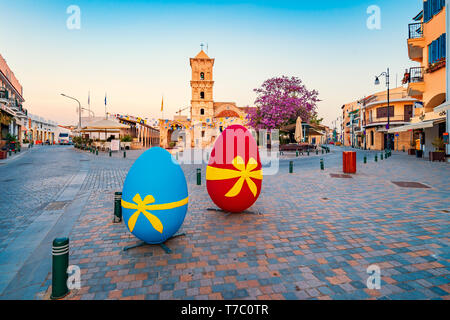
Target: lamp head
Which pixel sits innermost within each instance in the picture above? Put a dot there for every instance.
(377, 81)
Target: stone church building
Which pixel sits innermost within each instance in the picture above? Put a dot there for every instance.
(208, 118)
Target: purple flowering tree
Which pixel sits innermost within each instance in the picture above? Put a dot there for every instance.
(280, 101)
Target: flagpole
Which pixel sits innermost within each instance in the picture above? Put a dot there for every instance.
(106, 115)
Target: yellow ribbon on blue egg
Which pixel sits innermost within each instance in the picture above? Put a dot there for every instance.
(141, 206)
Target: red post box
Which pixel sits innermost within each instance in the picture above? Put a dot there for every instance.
(349, 161)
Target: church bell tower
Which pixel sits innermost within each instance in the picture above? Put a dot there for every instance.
(202, 102)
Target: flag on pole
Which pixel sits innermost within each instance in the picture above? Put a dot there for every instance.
(105, 99)
(162, 104)
(89, 98)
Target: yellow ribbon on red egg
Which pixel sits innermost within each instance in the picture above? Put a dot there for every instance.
(244, 172)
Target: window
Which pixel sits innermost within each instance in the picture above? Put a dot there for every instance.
(203, 134)
(382, 112)
(436, 49)
(371, 138)
(431, 8)
(202, 112)
(202, 75)
(202, 95)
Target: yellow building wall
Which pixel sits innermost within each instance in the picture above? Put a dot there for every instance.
(434, 82)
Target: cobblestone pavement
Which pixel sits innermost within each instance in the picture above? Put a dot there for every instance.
(311, 237)
(29, 184)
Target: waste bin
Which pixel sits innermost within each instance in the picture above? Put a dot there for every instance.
(349, 161)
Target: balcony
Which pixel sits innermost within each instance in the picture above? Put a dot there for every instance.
(416, 41)
(4, 98)
(414, 78)
(404, 118)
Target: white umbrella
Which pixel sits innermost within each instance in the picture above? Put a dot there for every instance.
(298, 130)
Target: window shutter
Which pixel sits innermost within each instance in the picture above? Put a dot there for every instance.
(429, 53)
(425, 11)
(444, 45)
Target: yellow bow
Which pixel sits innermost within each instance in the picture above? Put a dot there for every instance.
(243, 172)
(143, 206)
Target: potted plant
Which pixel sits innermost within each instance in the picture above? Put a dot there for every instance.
(126, 141)
(25, 143)
(439, 153)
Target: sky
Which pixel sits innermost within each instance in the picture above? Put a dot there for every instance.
(138, 51)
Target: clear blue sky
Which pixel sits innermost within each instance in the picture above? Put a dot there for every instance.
(138, 50)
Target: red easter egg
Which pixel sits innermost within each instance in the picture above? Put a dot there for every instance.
(234, 172)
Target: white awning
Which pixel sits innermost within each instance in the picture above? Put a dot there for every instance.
(419, 125)
(443, 107)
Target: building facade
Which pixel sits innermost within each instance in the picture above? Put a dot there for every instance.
(375, 119)
(12, 114)
(40, 130)
(208, 118)
(351, 124)
(427, 82)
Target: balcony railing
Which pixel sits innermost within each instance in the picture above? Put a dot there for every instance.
(414, 75)
(4, 94)
(415, 30)
(397, 118)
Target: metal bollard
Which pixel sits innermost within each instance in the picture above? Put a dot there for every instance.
(10, 152)
(381, 157)
(296, 153)
(376, 158)
(308, 152)
(365, 159)
(60, 263)
(322, 166)
(110, 153)
(322, 151)
(117, 207)
(317, 152)
(124, 154)
(199, 177)
(96, 152)
(291, 167)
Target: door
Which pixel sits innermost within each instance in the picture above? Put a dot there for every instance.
(389, 141)
(408, 112)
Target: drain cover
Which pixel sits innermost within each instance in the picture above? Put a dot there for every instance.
(407, 184)
(57, 205)
(340, 176)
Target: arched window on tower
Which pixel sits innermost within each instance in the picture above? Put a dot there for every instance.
(202, 95)
(202, 112)
(202, 75)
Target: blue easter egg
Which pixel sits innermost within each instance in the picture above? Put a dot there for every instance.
(154, 197)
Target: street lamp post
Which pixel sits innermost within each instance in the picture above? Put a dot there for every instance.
(79, 111)
(377, 82)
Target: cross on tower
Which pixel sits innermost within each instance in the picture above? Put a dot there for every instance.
(202, 45)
